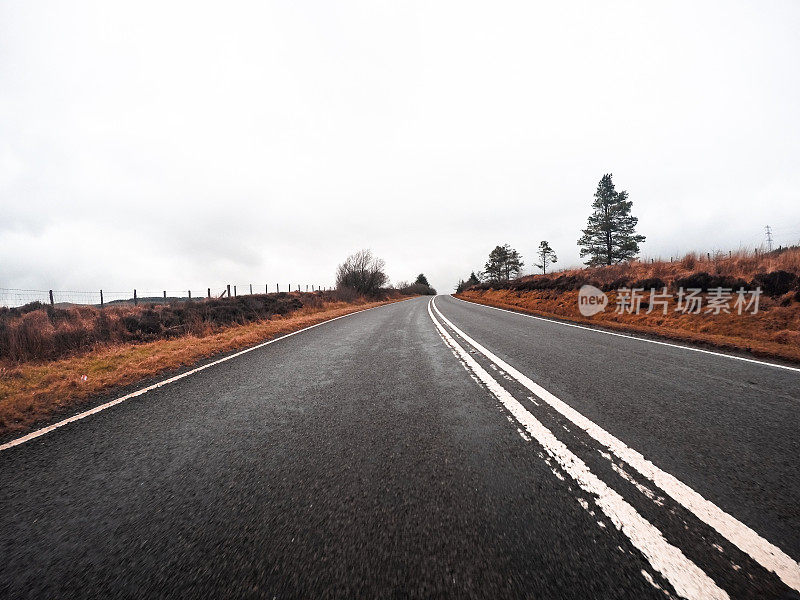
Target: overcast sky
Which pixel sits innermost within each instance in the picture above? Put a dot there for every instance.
(184, 145)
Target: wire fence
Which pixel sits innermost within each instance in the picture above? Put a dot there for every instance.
(13, 297)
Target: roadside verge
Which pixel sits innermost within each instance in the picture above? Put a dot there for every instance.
(772, 333)
(37, 392)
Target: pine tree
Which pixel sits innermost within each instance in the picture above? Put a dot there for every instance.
(546, 256)
(494, 267)
(503, 262)
(473, 280)
(422, 280)
(513, 264)
(610, 235)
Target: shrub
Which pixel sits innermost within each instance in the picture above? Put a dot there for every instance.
(705, 282)
(46, 332)
(689, 262)
(345, 294)
(621, 282)
(776, 283)
(570, 282)
(417, 289)
(649, 283)
(700, 280)
(362, 272)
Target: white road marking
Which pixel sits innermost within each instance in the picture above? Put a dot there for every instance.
(686, 577)
(766, 554)
(638, 339)
(40, 432)
(643, 489)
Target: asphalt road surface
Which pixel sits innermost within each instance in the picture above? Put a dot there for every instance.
(421, 450)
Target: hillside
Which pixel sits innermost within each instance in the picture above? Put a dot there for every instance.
(764, 324)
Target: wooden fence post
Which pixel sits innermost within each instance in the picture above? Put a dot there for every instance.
(266, 288)
(229, 290)
(51, 298)
(190, 294)
(278, 287)
(234, 291)
(101, 298)
(165, 294)
(135, 299)
(251, 289)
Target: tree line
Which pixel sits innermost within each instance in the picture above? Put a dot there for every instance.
(609, 237)
(364, 274)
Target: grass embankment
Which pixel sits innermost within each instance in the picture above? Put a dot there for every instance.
(36, 390)
(774, 332)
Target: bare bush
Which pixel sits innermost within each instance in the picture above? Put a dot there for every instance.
(361, 272)
(345, 294)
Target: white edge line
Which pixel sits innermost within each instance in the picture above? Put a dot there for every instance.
(633, 337)
(685, 576)
(44, 430)
(740, 535)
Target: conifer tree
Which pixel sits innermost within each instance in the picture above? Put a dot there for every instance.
(610, 235)
(422, 280)
(546, 256)
(504, 262)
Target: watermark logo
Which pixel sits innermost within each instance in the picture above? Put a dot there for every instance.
(591, 300)
(691, 301)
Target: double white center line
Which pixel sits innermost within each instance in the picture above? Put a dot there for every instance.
(687, 578)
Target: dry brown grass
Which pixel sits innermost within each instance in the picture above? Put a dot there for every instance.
(33, 391)
(743, 264)
(773, 332)
(36, 332)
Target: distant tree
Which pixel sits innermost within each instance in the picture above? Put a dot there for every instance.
(361, 272)
(473, 279)
(504, 262)
(610, 235)
(514, 264)
(419, 289)
(422, 280)
(546, 256)
(495, 266)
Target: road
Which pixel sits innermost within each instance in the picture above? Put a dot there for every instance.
(421, 450)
